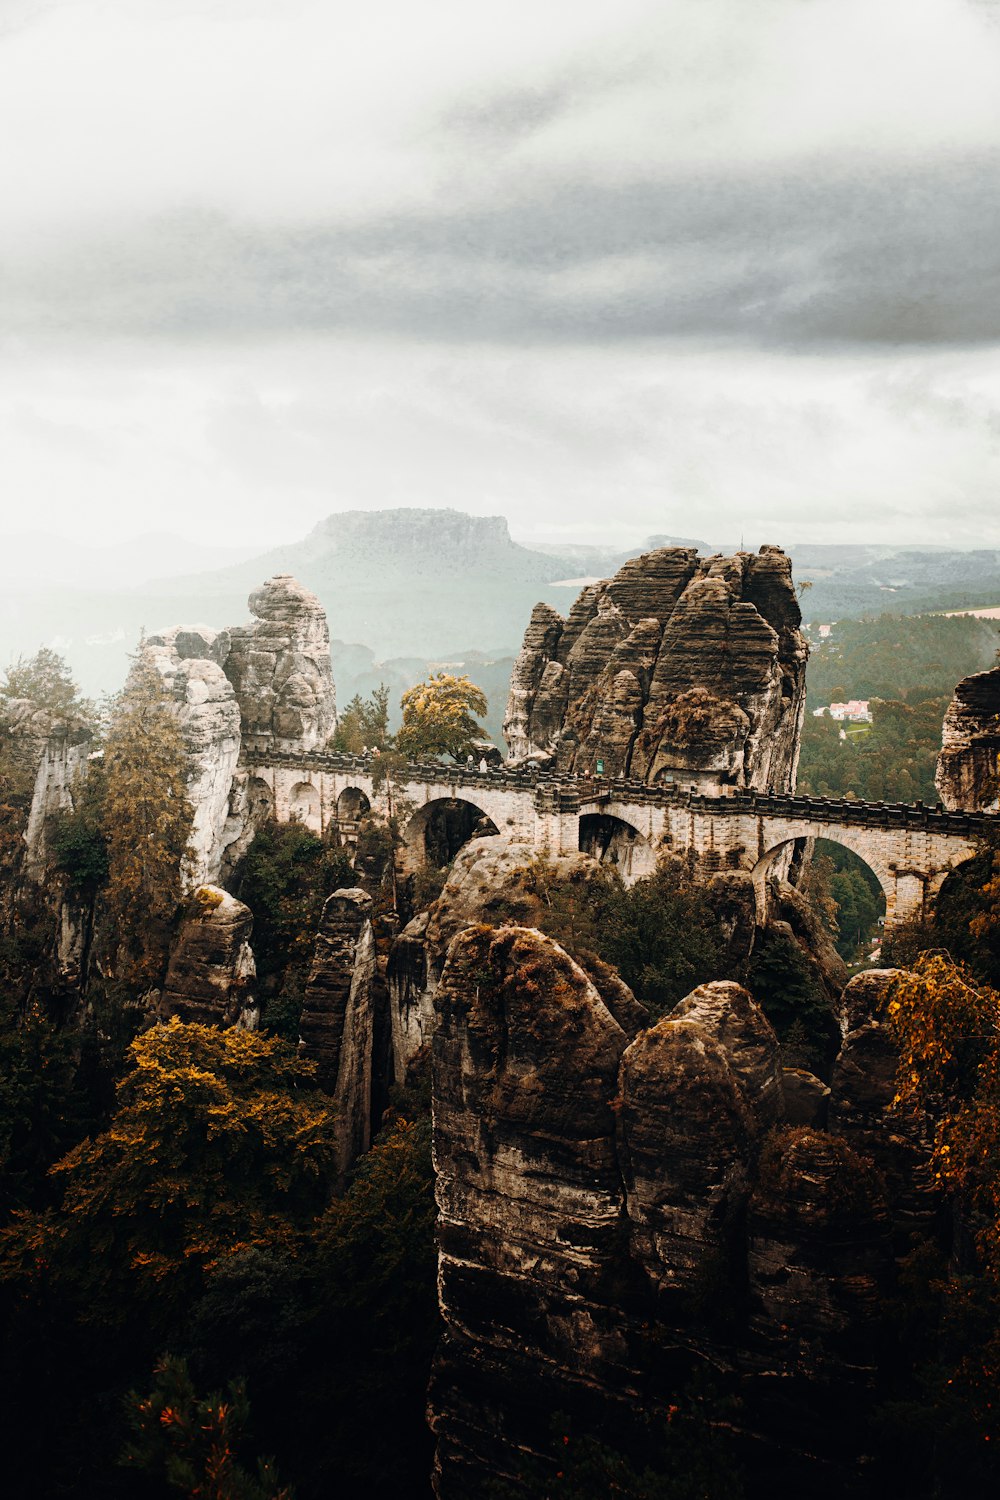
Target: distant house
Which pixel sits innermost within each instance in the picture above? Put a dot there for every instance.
(854, 712)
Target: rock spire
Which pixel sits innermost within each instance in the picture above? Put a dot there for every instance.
(677, 668)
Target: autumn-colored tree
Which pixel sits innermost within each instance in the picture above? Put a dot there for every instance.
(217, 1144)
(147, 823)
(438, 716)
(947, 1028)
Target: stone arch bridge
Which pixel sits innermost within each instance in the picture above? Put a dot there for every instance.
(910, 848)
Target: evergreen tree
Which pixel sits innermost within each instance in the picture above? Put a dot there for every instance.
(364, 723)
(44, 679)
(147, 821)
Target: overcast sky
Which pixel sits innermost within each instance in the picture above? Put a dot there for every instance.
(706, 267)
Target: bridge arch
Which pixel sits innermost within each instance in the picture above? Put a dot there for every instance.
(352, 805)
(260, 801)
(784, 855)
(438, 829)
(613, 840)
(305, 806)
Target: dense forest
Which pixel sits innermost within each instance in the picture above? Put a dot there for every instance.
(907, 668)
(188, 1307)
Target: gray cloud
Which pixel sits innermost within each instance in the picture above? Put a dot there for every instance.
(806, 258)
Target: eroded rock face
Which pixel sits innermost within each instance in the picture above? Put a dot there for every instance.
(267, 685)
(616, 1214)
(819, 1240)
(968, 768)
(491, 881)
(678, 667)
(211, 970)
(863, 997)
(280, 669)
(338, 1017)
(50, 749)
(529, 1197)
(686, 1132)
(731, 1015)
(209, 717)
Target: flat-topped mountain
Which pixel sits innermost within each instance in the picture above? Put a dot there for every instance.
(432, 584)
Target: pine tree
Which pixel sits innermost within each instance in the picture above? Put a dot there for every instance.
(147, 819)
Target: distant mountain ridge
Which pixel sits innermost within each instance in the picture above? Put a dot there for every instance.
(410, 584)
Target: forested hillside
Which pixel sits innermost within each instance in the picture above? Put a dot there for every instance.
(907, 668)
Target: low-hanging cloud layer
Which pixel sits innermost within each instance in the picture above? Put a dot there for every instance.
(606, 267)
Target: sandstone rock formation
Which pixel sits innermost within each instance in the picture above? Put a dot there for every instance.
(686, 1131)
(209, 717)
(819, 1264)
(491, 881)
(863, 998)
(529, 1197)
(211, 970)
(338, 1017)
(280, 668)
(678, 667)
(266, 685)
(968, 768)
(51, 751)
(615, 1215)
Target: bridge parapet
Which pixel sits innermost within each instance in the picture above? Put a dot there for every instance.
(590, 790)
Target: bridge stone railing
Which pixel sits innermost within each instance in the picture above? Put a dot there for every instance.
(589, 790)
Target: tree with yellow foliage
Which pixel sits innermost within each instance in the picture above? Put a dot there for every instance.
(947, 1027)
(438, 717)
(147, 823)
(217, 1145)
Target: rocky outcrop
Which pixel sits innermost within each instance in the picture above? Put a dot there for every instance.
(863, 998)
(279, 666)
(807, 1098)
(968, 768)
(677, 668)
(266, 685)
(686, 1132)
(529, 1199)
(616, 1215)
(819, 1265)
(48, 752)
(211, 970)
(862, 1108)
(209, 718)
(494, 882)
(338, 1018)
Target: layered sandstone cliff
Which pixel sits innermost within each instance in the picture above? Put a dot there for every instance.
(279, 666)
(677, 668)
(338, 1017)
(491, 881)
(50, 751)
(209, 719)
(211, 971)
(619, 1214)
(968, 768)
